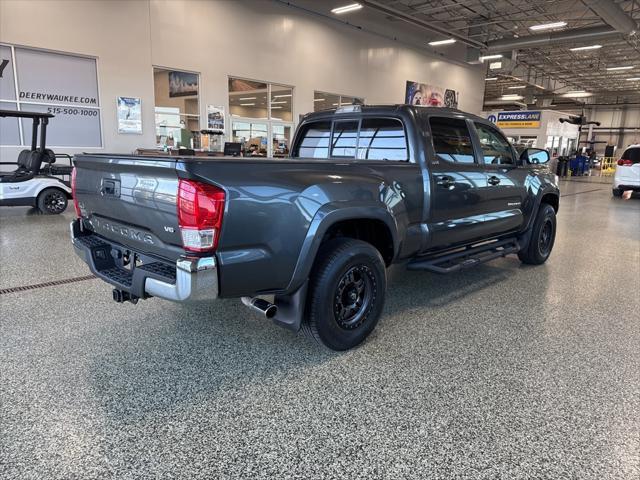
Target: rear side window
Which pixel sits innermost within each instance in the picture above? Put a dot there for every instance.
(632, 154)
(382, 139)
(345, 139)
(315, 140)
(451, 140)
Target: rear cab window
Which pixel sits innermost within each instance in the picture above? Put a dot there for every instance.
(366, 138)
(631, 155)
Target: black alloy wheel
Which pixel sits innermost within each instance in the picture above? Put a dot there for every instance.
(354, 297)
(52, 201)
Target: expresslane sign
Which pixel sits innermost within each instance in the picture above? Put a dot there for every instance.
(518, 119)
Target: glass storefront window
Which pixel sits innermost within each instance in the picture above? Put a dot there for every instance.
(325, 101)
(248, 98)
(252, 137)
(177, 108)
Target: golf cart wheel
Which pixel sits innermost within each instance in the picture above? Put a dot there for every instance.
(52, 201)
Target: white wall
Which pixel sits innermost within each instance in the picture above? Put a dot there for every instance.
(255, 39)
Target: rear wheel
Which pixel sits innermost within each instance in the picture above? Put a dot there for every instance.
(543, 236)
(52, 201)
(617, 192)
(346, 295)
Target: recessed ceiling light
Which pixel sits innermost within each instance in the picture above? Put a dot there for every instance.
(490, 79)
(449, 41)
(548, 26)
(346, 8)
(517, 87)
(589, 47)
(626, 67)
(490, 57)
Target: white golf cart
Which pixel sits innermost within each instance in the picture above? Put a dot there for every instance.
(32, 184)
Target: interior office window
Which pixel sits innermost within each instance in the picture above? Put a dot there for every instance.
(345, 139)
(326, 101)
(451, 139)
(495, 148)
(281, 103)
(177, 107)
(315, 140)
(382, 139)
(248, 98)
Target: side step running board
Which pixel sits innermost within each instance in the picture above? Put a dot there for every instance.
(467, 258)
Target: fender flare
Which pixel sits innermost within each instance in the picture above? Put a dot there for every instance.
(327, 216)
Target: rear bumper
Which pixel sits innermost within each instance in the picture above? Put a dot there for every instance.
(189, 279)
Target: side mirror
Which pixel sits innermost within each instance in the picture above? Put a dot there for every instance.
(535, 156)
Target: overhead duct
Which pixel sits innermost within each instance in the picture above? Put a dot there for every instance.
(612, 14)
(392, 12)
(542, 39)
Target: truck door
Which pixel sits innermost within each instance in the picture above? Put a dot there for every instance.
(456, 213)
(505, 190)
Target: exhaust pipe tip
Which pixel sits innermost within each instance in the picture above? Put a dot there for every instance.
(261, 306)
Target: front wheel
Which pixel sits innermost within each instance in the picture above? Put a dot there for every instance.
(346, 295)
(543, 235)
(52, 201)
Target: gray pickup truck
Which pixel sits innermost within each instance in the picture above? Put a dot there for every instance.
(365, 187)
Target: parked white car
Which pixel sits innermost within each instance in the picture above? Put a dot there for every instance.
(627, 176)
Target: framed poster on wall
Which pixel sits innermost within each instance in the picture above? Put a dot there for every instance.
(183, 84)
(430, 95)
(215, 118)
(129, 115)
(68, 90)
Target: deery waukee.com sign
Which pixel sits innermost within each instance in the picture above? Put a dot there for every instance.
(52, 97)
(518, 119)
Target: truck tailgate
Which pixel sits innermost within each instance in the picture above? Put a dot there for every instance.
(131, 201)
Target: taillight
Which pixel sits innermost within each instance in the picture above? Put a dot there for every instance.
(626, 163)
(73, 193)
(200, 211)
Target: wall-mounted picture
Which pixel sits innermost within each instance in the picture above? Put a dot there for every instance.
(215, 118)
(183, 84)
(129, 115)
(429, 95)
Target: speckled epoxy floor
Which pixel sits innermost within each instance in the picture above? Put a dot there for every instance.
(503, 371)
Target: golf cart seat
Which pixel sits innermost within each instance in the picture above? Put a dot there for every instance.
(29, 163)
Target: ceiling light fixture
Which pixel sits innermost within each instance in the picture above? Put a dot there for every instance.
(548, 26)
(319, 99)
(282, 96)
(347, 8)
(613, 69)
(634, 79)
(576, 94)
(590, 47)
(449, 41)
(247, 104)
(247, 98)
(517, 87)
(512, 97)
(490, 79)
(490, 57)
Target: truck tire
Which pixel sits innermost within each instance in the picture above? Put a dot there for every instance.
(543, 236)
(617, 192)
(346, 293)
(52, 201)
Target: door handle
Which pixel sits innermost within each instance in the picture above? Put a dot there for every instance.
(445, 181)
(493, 180)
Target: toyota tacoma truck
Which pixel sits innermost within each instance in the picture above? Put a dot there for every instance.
(306, 240)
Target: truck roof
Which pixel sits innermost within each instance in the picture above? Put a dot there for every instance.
(399, 108)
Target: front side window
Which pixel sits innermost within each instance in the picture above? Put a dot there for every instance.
(314, 141)
(382, 139)
(451, 140)
(495, 148)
